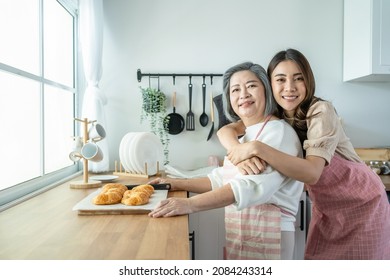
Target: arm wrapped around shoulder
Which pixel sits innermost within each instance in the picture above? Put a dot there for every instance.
(111, 194)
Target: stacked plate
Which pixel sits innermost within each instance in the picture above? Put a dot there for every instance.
(139, 148)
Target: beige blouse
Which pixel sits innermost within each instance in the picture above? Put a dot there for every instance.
(325, 134)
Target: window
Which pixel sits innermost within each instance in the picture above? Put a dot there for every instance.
(37, 94)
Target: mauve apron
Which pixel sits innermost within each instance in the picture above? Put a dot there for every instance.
(351, 214)
(254, 232)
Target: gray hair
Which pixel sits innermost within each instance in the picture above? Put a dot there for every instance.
(261, 74)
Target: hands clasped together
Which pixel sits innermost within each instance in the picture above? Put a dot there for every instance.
(247, 164)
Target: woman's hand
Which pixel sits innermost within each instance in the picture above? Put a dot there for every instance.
(238, 153)
(172, 206)
(159, 180)
(252, 166)
(245, 158)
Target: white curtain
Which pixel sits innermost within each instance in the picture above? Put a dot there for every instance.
(91, 40)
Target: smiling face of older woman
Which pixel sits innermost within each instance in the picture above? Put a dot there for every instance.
(247, 97)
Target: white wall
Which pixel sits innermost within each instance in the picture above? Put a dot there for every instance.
(203, 36)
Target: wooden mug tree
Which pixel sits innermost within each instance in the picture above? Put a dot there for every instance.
(85, 183)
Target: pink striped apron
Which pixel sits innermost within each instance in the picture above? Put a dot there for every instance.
(254, 232)
(351, 214)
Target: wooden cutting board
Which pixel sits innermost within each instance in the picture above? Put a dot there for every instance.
(86, 206)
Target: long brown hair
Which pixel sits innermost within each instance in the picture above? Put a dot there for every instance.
(298, 120)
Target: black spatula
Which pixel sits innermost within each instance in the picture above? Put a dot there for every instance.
(190, 122)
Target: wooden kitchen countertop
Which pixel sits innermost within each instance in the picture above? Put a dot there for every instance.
(45, 228)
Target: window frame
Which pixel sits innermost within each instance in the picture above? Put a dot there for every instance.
(20, 192)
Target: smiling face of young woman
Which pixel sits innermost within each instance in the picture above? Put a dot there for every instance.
(288, 86)
(247, 97)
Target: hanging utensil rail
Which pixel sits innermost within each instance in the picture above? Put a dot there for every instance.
(173, 75)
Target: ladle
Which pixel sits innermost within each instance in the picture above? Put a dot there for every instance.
(204, 119)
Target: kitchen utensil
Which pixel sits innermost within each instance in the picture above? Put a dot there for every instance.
(222, 119)
(165, 186)
(204, 119)
(385, 168)
(175, 120)
(190, 115)
(212, 118)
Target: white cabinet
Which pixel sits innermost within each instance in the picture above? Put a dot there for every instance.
(300, 229)
(209, 228)
(366, 40)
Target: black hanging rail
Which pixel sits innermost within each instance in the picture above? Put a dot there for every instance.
(173, 75)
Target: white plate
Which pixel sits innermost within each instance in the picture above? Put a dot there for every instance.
(132, 153)
(104, 178)
(147, 149)
(123, 151)
(122, 147)
(130, 139)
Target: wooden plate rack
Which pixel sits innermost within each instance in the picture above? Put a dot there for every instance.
(119, 170)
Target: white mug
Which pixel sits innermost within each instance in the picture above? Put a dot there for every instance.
(75, 156)
(91, 151)
(96, 132)
(77, 144)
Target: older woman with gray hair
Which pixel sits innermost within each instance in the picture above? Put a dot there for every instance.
(259, 209)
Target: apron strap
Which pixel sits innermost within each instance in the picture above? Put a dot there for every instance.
(265, 122)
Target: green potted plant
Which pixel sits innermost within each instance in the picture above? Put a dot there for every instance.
(154, 109)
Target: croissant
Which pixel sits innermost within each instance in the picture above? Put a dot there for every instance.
(144, 188)
(139, 195)
(110, 194)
